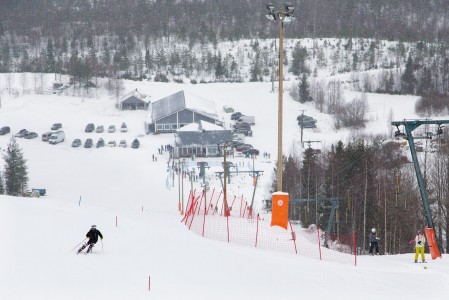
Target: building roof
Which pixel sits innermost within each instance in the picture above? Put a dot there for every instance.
(178, 101)
(133, 97)
(203, 138)
(202, 126)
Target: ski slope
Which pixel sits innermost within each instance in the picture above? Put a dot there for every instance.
(147, 253)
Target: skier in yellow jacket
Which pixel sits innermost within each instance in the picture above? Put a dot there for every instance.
(420, 242)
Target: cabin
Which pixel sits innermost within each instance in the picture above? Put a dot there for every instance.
(133, 101)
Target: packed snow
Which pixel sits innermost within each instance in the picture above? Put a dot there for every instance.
(147, 253)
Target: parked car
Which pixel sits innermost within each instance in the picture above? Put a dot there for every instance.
(247, 119)
(305, 118)
(30, 135)
(112, 144)
(135, 144)
(242, 125)
(76, 143)
(100, 143)
(236, 143)
(305, 124)
(99, 129)
(123, 144)
(21, 133)
(90, 127)
(46, 136)
(89, 143)
(250, 152)
(57, 137)
(243, 147)
(236, 115)
(245, 131)
(56, 126)
(111, 129)
(123, 128)
(4, 130)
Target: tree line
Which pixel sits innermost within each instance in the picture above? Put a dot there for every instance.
(211, 21)
(375, 185)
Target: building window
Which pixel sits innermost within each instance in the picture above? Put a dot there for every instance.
(166, 126)
(174, 126)
(159, 127)
(211, 150)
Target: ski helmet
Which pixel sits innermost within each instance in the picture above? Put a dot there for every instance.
(373, 230)
(93, 226)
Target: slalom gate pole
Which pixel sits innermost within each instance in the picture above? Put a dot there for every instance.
(79, 244)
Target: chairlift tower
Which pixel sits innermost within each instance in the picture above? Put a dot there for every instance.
(409, 127)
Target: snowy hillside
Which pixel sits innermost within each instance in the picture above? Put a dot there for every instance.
(147, 253)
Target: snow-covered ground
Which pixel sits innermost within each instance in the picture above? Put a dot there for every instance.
(147, 253)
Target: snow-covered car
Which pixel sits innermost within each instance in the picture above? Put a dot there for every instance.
(76, 143)
(4, 130)
(100, 143)
(111, 128)
(135, 144)
(30, 135)
(46, 136)
(90, 127)
(124, 127)
(112, 144)
(56, 126)
(89, 143)
(123, 144)
(100, 129)
(21, 133)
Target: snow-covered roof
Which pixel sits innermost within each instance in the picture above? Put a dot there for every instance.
(195, 127)
(133, 96)
(201, 127)
(178, 101)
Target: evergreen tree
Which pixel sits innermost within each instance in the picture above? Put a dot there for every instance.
(304, 91)
(425, 82)
(16, 170)
(2, 187)
(50, 60)
(255, 70)
(5, 55)
(219, 68)
(408, 78)
(389, 85)
(299, 58)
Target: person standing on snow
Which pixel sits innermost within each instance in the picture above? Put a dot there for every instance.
(373, 242)
(420, 242)
(93, 235)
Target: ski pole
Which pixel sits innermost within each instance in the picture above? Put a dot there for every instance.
(79, 244)
(101, 244)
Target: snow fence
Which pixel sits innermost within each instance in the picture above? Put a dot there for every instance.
(241, 226)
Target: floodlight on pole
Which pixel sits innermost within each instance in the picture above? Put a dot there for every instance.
(285, 16)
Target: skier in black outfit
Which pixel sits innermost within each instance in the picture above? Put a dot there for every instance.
(93, 235)
(373, 245)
